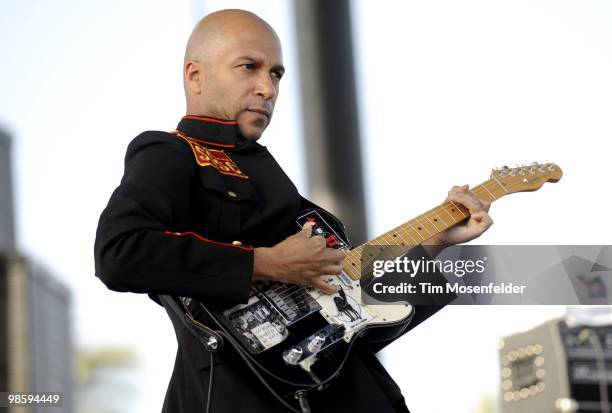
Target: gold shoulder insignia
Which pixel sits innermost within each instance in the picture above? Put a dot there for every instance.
(216, 158)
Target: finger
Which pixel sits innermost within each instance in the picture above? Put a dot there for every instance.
(458, 189)
(318, 283)
(318, 242)
(331, 269)
(306, 230)
(333, 255)
(479, 223)
(467, 200)
(484, 219)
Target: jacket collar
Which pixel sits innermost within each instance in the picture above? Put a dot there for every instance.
(211, 131)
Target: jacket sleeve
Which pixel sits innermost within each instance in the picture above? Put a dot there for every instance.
(137, 246)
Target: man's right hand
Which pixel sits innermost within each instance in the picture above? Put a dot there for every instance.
(300, 259)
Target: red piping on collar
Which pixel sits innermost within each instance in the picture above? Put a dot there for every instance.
(186, 137)
(212, 120)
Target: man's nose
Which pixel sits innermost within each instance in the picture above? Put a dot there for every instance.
(265, 86)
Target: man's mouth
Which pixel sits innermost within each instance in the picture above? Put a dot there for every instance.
(261, 112)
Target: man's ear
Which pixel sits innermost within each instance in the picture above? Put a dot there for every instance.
(193, 76)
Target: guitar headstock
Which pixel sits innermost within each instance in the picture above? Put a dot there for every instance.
(526, 177)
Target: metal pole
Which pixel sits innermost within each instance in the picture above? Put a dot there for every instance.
(329, 104)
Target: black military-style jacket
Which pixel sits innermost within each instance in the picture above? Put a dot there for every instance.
(191, 206)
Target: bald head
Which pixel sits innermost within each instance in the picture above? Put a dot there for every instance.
(232, 69)
(209, 33)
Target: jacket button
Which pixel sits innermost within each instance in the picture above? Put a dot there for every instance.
(231, 194)
(237, 243)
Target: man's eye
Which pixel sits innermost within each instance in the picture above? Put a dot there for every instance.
(248, 66)
(277, 74)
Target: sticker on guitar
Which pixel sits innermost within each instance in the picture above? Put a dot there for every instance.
(322, 228)
(349, 312)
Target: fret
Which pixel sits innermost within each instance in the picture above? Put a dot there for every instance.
(459, 208)
(423, 226)
(407, 233)
(448, 213)
(494, 179)
(488, 186)
(435, 226)
(416, 231)
(489, 192)
(394, 234)
(381, 240)
(438, 222)
(354, 253)
(438, 215)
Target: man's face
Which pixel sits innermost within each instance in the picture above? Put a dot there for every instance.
(241, 80)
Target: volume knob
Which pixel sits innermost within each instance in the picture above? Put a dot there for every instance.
(316, 343)
(293, 356)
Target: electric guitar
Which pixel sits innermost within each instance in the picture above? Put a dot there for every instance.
(297, 338)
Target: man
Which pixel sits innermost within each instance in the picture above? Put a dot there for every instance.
(203, 211)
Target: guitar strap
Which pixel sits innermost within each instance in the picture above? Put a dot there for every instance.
(212, 341)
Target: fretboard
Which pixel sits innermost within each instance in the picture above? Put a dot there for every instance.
(423, 227)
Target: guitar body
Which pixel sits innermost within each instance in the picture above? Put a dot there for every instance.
(297, 337)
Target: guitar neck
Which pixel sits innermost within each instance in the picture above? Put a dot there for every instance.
(424, 226)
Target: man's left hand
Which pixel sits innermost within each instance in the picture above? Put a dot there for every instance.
(478, 222)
